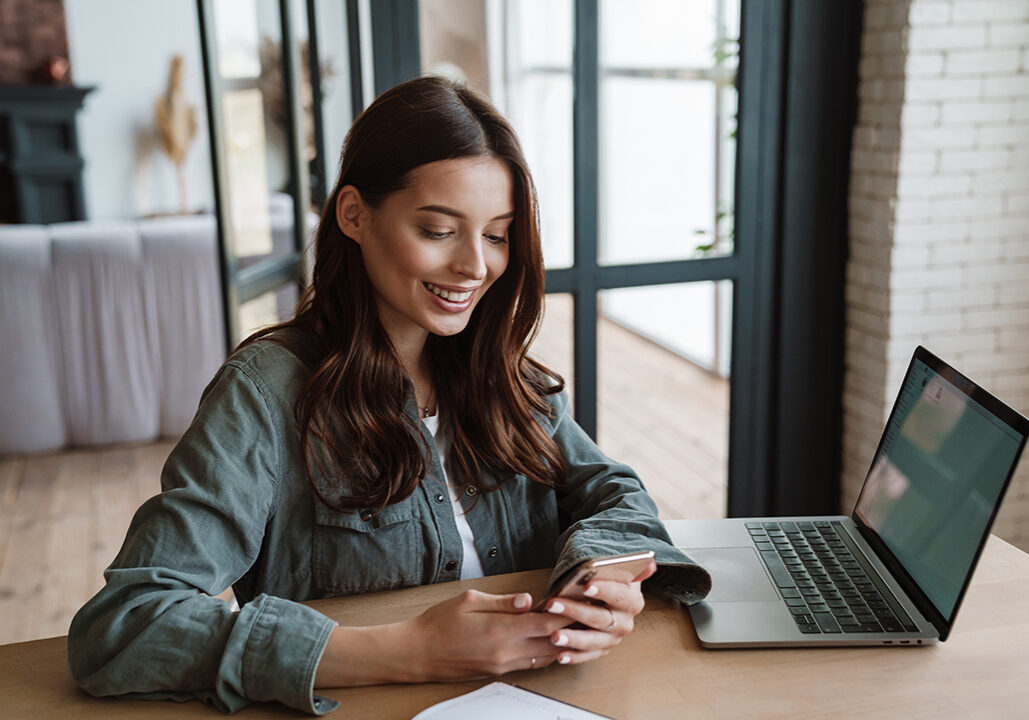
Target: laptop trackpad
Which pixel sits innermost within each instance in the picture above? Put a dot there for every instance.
(737, 574)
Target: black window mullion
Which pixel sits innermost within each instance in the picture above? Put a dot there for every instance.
(318, 185)
(586, 191)
(354, 57)
(257, 279)
(219, 171)
(763, 43)
(291, 83)
(608, 277)
(396, 50)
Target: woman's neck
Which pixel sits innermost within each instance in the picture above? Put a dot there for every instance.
(410, 349)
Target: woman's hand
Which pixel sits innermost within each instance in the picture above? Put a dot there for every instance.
(477, 634)
(599, 626)
(472, 635)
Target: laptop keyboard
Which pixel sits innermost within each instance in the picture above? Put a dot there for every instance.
(825, 580)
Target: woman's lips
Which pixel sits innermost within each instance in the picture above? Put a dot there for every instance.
(451, 300)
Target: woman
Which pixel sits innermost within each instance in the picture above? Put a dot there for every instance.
(394, 433)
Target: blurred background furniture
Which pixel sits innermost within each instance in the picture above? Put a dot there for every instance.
(112, 330)
(40, 162)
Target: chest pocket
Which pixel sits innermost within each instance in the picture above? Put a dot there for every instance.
(357, 552)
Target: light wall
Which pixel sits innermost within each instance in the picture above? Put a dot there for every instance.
(125, 52)
(124, 48)
(939, 215)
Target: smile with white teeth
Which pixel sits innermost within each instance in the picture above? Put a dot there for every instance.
(450, 295)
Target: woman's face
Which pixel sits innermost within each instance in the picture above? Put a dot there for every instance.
(433, 249)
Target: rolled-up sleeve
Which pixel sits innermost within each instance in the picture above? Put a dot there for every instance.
(154, 630)
(610, 513)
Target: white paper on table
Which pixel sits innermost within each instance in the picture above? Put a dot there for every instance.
(500, 701)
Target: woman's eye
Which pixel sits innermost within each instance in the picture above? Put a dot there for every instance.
(434, 235)
(496, 239)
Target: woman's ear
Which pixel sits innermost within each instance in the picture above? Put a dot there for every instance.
(351, 213)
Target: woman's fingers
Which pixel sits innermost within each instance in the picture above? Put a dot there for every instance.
(627, 597)
(477, 601)
(576, 657)
(597, 617)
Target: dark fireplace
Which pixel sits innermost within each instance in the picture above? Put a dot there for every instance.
(40, 163)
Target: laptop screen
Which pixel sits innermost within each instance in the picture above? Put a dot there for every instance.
(937, 478)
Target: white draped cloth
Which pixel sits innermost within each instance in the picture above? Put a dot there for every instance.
(31, 416)
(104, 310)
(109, 331)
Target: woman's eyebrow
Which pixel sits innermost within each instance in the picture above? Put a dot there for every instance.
(444, 210)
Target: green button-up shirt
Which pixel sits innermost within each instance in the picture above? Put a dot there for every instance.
(236, 508)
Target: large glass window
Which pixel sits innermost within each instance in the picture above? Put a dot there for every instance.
(664, 155)
(661, 411)
(667, 91)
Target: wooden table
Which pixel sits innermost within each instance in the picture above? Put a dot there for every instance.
(659, 671)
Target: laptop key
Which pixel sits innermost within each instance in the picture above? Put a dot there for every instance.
(891, 624)
(799, 612)
(809, 629)
(826, 622)
(795, 602)
(857, 629)
(790, 592)
(778, 570)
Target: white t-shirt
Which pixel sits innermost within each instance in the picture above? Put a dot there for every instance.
(471, 567)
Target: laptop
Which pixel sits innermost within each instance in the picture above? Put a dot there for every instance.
(896, 570)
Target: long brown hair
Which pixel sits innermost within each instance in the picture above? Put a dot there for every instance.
(355, 429)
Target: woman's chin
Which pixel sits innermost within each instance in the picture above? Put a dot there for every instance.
(447, 329)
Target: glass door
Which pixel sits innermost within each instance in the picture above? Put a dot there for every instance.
(265, 152)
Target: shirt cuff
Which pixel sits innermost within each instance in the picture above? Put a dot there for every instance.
(677, 578)
(282, 653)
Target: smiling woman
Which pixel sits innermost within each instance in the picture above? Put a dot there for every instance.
(324, 451)
(433, 249)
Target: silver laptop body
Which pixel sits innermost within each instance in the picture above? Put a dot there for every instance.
(925, 510)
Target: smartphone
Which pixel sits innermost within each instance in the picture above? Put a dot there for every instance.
(622, 568)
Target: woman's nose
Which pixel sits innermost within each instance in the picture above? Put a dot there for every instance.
(469, 259)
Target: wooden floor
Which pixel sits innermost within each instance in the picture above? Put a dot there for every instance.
(64, 516)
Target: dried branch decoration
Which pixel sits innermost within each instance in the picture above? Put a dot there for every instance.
(176, 124)
(274, 93)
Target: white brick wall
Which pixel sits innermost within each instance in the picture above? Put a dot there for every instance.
(939, 214)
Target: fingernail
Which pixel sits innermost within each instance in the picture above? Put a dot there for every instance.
(556, 608)
(562, 640)
(565, 659)
(590, 591)
(522, 601)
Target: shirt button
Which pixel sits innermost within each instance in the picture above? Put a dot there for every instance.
(439, 497)
(367, 515)
(450, 566)
(471, 490)
(492, 552)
